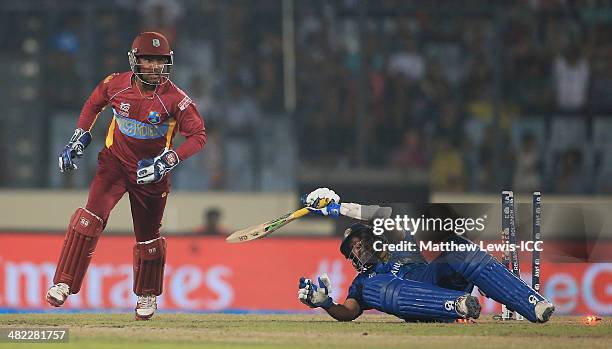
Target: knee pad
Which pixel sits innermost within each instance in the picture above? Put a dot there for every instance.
(410, 300)
(79, 245)
(494, 280)
(149, 262)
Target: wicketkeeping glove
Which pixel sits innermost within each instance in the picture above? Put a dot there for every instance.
(153, 170)
(316, 296)
(74, 149)
(323, 201)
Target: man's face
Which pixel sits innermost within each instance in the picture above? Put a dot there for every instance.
(356, 246)
(152, 67)
(360, 253)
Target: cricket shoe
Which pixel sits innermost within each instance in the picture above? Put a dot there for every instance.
(145, 307)
(543, 310)
(57, 294)
(468, 307)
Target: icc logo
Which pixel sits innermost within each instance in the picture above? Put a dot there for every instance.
(154, 117)
(84, 221)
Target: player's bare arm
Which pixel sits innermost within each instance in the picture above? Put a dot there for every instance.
(348, 311)
(317, 295)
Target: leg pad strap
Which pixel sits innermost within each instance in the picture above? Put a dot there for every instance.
(149, 262)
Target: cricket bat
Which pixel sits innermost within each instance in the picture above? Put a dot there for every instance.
(262, 230)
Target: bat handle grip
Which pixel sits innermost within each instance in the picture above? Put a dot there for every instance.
(300, 213)
(320, 204)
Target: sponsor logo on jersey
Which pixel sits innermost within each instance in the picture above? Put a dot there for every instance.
(395, 269)
(154, 117)
(184, 103)
(140, 130)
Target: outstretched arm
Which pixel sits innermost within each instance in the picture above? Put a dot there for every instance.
(82, 137)
(326, 202)
(318, 296)
(348, 311)
(364, 212)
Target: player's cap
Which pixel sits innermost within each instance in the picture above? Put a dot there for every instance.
(151, 44)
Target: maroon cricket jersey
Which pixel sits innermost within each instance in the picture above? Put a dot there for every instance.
(142, 126)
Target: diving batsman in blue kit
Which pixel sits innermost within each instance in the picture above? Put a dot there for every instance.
(406, 285)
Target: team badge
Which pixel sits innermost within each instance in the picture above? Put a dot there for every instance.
(154, 117)
(155, 42)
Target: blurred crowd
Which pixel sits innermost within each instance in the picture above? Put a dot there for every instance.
(481, 95)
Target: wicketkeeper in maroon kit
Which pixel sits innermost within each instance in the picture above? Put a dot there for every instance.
(148, 109)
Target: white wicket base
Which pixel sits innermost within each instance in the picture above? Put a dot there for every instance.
(507, 315)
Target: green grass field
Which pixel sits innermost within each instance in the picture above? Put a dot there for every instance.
(306, 331)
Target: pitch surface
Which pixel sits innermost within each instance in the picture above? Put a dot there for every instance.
(307, 331)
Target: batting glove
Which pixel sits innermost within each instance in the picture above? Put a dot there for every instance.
(316, 296)
(323, 201)
(153, 170)
(74, 149)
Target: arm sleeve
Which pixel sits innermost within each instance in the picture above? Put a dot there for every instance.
(191, 126)
(364, 212)
(354, 292)
(94, 105)
(370, 213)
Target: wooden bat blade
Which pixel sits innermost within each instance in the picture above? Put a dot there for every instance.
(262, 230)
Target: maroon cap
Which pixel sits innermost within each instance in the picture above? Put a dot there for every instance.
(151, 44)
